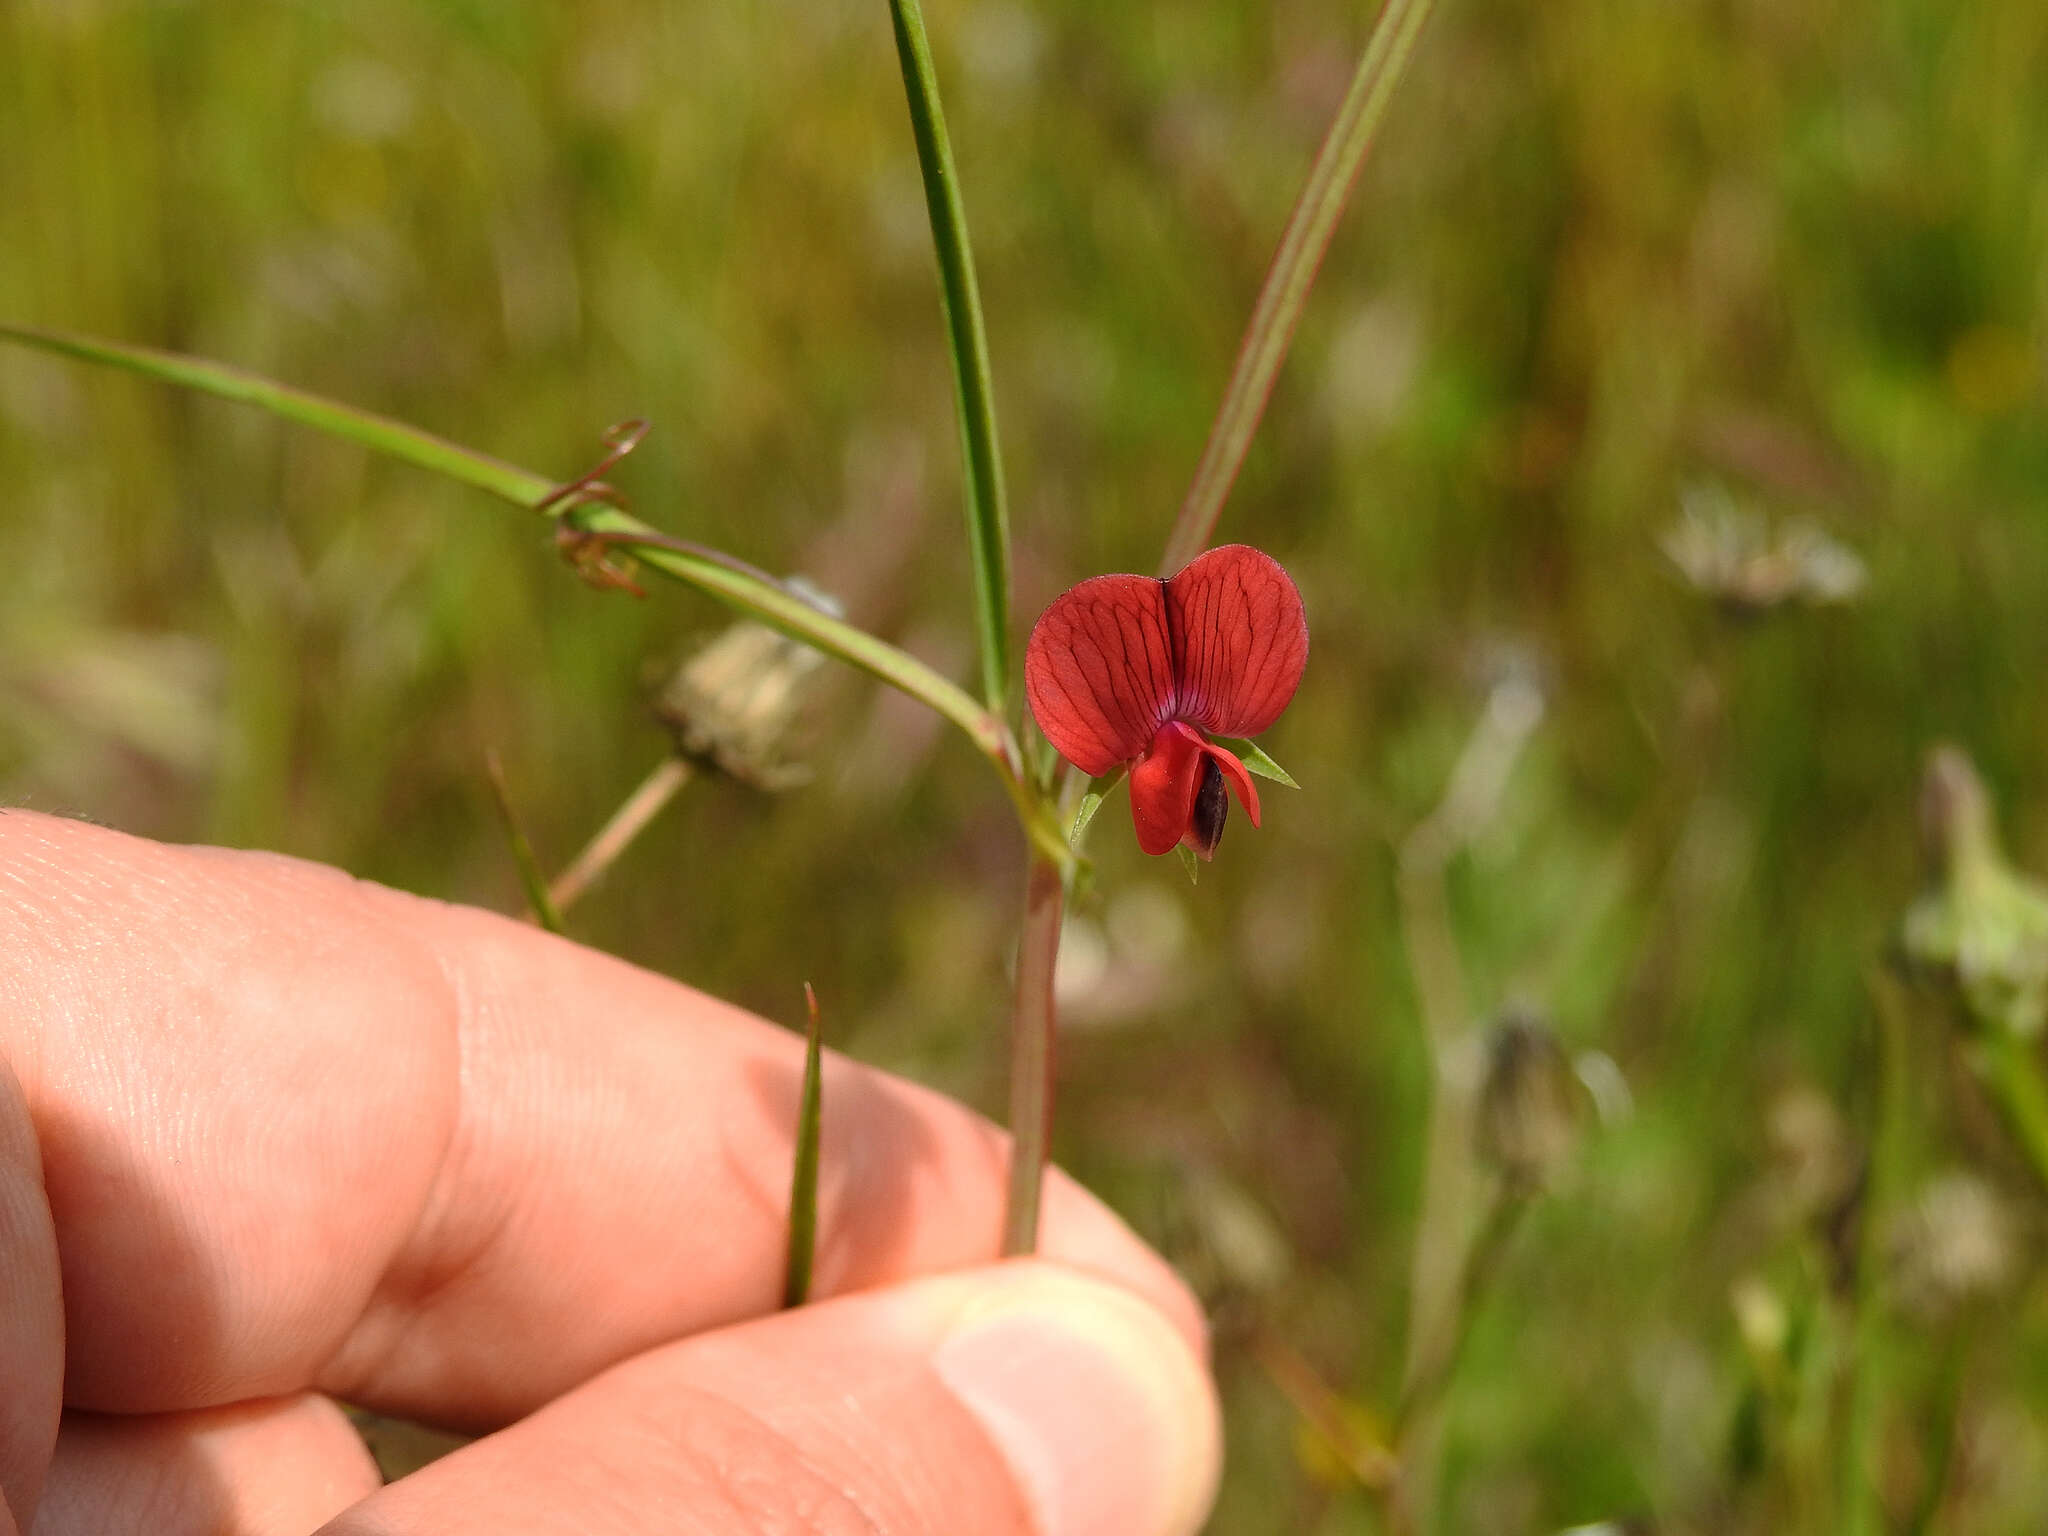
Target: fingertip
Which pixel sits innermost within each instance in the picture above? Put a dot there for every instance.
(1094, 1399)
(31, 1312)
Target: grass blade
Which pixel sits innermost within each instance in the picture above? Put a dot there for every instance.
(537, 898)
(988, 519)
(1293, 273)
(803, 1184)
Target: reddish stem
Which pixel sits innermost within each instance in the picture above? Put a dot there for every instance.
(1032, 1027)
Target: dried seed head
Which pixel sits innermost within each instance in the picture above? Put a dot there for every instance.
(1954, 1245)
(739, 701)
(1728, 553)
(1814, 1165)
(1529, 1105)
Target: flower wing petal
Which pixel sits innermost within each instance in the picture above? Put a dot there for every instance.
(1098, 670)
(1240, 639)
(1164, 784)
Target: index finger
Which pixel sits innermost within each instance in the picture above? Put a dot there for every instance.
(297, 1129)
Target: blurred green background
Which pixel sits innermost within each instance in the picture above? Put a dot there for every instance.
(1610, 261)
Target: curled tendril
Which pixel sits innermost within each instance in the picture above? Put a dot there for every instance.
(619, 440)
(583, 547)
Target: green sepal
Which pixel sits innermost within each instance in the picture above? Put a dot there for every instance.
(1255, 760)
(1091, 802)
(1189, 862)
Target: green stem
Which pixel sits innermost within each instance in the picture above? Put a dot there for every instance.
(1032, 1026)
(1857, 1512)
(988, 518)
(1481, 1268)
(226, 382)
(2012, 1073)
(1293, 273)
(545, 912)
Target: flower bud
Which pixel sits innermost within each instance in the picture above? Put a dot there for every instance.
(1979, 929)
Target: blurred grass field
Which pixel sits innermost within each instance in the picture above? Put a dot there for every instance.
(1608, 260)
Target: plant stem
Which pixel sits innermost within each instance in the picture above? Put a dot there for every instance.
(1364, 1456)
(1856, 1508)
(1438, 1361)
(988, 519)
(1285, 292)
(2012, 1074)
(1032, 1025)
(616, 835)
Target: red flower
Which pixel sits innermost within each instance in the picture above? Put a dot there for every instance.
(1134, 670)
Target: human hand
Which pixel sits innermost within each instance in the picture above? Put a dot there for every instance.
(270, 1136)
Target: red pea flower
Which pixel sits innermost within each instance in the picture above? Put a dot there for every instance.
(1134, 670)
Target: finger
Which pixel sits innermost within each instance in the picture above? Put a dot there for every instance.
(31, 1314)
(275, 1468)
(1021, 1400)
(301, 1129)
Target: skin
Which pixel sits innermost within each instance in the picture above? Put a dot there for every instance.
(271, 1137)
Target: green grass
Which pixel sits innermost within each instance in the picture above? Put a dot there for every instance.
(1601, 253)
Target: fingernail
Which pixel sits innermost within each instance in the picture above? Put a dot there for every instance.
(1107, 1420)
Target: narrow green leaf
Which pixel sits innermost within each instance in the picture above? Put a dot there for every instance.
(1293, 273)
(1255, 760)
(1091, 802)
(1189, 862)
(988, 519)
(731, 581)
(379, 433)
(803, 1185)
(530, 874)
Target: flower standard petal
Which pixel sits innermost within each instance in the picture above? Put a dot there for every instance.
(1098, 670)
(1239, 637)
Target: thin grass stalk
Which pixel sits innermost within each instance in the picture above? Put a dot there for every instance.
(988, 518)
(531, 879)
(1032, 1026)
(1857, 1512)
(1292, 274)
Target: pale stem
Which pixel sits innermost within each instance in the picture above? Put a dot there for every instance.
(616, 835)
(1436, 1287)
